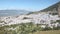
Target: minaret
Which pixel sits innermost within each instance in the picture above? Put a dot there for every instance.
(59, 9)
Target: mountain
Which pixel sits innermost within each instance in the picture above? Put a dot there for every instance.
(53, 9)
(12, 12)
(50, 8)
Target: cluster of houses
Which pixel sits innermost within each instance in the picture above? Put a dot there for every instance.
(40, 18)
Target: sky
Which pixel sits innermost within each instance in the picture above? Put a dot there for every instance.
(31, 5)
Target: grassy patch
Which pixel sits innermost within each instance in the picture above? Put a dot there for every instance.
(48, 32)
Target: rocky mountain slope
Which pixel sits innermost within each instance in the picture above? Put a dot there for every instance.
(53, 9)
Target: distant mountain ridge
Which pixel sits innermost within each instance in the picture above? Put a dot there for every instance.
(12, 12)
